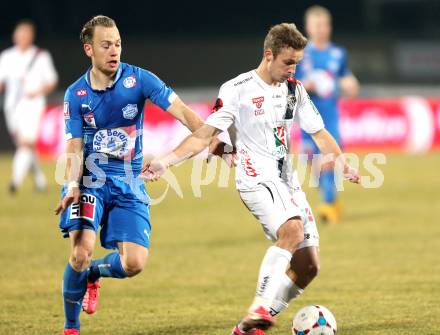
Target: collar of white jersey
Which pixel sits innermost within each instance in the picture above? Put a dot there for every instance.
(117, 76)
(262, 83)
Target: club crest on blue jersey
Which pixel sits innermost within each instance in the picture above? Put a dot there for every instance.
(130, 111)
(129, 82)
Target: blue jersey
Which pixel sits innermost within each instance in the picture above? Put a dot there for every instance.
(110, 121)
(324, 67)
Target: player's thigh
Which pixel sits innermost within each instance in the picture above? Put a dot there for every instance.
(271, 205)
(128, 221)
(84, 216)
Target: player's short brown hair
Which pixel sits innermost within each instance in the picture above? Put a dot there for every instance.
(317, 10)
(86, 35)
(284, 35)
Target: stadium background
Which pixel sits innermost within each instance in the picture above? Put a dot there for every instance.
(380, 267)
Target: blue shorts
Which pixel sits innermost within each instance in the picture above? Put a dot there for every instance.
(120, 208)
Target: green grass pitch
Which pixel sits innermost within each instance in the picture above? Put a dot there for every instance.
(380, 271)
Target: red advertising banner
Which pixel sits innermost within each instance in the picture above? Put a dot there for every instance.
(410, 124)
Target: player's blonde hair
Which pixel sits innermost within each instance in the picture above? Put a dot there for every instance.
(86, 35)
(284, 35)
(318, 11)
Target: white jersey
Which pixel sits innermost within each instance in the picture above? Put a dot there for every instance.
(259, 119)
(24, 73)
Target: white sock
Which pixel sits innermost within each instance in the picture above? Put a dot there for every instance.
(39, 178)
(21, 164)
(287, 291)
(272, 270)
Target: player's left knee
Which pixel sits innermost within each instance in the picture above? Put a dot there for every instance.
(134, 266)
(313, 270)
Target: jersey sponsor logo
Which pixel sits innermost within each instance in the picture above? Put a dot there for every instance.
(89, 119)
(81, 92)
(258, 101)
(85, 209)
(218, 104)
(246, 163)
(116, 142)
(242, 81)
(129, 82)
(130, 111)
(280, 135)
(66, 110)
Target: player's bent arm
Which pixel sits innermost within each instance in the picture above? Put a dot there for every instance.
(74, 171)
(192, 145)
(189, 147)
(333, 153)
(349, 86)
(74, 166)
(193, 121)
(326, 143)
(185, 115)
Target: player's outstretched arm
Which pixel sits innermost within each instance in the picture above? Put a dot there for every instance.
(193, 121)
(330, 148)
(189, 147)
(74, 171)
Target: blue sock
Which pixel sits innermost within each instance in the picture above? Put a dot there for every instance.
(327, 186)
(108, 266)
(74, 288)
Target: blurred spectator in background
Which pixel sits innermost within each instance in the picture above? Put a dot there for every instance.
(324, 72)
(27, 75)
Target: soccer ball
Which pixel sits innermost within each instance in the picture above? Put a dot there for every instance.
(314, 320)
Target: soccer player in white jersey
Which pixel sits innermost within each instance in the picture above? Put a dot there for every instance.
(27, 76)
(258, 109)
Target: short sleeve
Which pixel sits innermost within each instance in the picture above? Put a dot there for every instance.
(72, 116)
(307, 116)
(156, 90)
(48, 69)
(225, 109)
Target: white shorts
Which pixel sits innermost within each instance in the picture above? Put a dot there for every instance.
(24, 120)
(273, 203)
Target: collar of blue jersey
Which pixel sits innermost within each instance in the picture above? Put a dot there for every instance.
(117, 76)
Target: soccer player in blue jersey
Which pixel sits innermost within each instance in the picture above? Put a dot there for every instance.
(103, 111)
(325, 73)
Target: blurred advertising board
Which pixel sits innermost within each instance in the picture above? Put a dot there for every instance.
(410, 124)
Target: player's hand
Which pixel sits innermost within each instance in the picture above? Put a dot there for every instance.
(72, 197)
(351, 174)
(153, 170)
